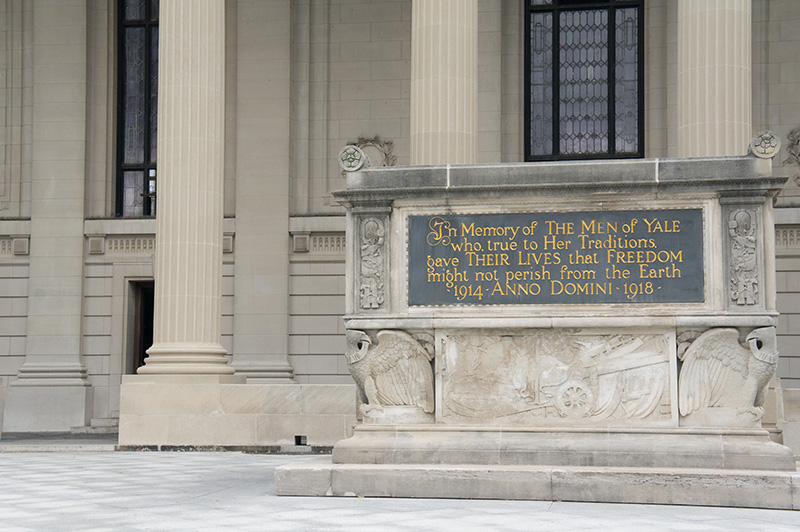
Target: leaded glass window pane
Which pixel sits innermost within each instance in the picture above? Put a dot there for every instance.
(134, 9)
(583, 87)
(133, 194)
(134, 119)
(541, 96)
(626, 88)
(138, 107)
(153, 94)
(585, 55)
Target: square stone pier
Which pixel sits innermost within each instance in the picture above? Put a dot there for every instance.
(582, 331)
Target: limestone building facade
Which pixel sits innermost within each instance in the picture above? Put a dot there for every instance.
(293, 82)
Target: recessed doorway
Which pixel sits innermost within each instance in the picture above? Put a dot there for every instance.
(143, 293)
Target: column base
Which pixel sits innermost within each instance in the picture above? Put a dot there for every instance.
(47, 408)
(264, 369)
(267, 376)
(186, 359)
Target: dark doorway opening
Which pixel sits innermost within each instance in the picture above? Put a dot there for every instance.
(143, 322)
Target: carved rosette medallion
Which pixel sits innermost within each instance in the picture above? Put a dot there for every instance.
(372, 251)
(366, 152)
(765, 144)
(743, 259)
(352, 158)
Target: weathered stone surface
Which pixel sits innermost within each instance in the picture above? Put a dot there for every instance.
(572, 398)
(165, 410)
(556, 377)
(694, 487)
(523, 446)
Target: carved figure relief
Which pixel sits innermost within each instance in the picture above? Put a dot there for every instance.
(556, 374)
(371, 284)
(743, 257)
(718, 372)
(793, 147)
(396, 371)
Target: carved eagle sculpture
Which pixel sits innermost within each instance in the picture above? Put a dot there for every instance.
(719, 372)
(394, 372)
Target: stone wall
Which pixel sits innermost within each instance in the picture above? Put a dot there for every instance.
(316, 301)
(13, 309)
(787, 243)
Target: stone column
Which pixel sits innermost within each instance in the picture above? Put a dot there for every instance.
(444, 73)
(188, 265)
(714, 77)
(51, 391)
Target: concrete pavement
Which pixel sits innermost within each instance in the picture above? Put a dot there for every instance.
(194, 491)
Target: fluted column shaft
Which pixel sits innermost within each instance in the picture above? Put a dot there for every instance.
(188, 265)
(444, 87)
(714, 77)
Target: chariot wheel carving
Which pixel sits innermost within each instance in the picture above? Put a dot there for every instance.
(575, 399)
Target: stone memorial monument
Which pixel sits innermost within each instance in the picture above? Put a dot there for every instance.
(586, 331)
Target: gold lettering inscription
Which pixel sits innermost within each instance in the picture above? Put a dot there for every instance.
(590, 257)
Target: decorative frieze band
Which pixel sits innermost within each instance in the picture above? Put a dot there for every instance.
(133, 245)
(14, 245)
(136, 245)
(787, 237)
(319, 243)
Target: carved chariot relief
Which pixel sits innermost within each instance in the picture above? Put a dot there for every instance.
(743, 259)
(557, 376)
(724, 383)
(393, 375)
(371, 284)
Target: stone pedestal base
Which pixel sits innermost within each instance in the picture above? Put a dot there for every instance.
(47, 408)
(223, 411)
(601, 447)
(698, 487)
(714, 467)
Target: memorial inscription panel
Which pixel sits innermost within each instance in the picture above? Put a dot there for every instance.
(643, 256)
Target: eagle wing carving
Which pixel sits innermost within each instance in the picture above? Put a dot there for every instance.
(714, 372)
(401, 369)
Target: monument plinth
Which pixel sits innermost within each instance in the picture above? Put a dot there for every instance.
(561, 330)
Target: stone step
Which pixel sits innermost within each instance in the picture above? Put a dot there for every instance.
(689, 486)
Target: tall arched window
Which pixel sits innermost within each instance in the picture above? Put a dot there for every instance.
(138, 107)
(584, 79)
